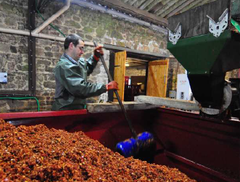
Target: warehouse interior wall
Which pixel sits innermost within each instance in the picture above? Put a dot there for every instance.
(91, 25)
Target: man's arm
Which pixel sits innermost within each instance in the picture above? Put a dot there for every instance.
(91, 64)
(71, 79)
(92, 61)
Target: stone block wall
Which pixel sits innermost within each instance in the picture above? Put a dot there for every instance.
(89, 24)
(174, 69)
(133, 71)
(14, 61)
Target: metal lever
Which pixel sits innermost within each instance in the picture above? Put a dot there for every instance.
(116, 93)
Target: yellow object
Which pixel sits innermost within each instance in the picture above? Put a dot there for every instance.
(157, 78)
(119, 73)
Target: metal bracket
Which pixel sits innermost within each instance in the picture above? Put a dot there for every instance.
(217, 28)
(174, 36)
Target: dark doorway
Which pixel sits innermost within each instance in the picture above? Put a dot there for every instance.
(135, 78)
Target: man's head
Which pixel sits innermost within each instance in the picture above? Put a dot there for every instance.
(74, 46)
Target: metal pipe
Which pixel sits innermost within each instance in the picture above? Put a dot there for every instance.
(118, 97)
(38, 35)
(52, 18)
(12, 31)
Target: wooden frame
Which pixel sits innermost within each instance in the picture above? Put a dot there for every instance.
(141, 14)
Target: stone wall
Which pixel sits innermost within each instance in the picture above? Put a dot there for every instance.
(133, 71)
(14, 61)
(90, 24)
(174, 69)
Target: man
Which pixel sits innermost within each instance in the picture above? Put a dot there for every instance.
(72, 87)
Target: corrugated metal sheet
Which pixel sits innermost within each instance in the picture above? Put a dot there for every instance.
(165, 8)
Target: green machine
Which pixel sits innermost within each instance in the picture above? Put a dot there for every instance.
(206, 41)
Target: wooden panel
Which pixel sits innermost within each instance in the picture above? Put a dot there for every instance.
(148, 56)
(195, 22)
(119, 73)
(157, 78)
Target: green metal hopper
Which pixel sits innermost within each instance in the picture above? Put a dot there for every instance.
(205, 56)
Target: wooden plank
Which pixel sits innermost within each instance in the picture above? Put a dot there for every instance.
(166, 7)
(179, 8)
(144, 15)
(172, 8)
(119, 73)
(132, 2)
(157, 78)
(138, 54)
(195, 22)
(146, 4)
(167, 102)
(152, 82)
(152, 5)
(192, 5)
(115, 107)
(138, 4)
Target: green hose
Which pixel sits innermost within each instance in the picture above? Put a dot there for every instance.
(22, 98)
(236, 25)
(54, 27)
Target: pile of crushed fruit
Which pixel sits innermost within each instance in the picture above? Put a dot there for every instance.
(36, 153)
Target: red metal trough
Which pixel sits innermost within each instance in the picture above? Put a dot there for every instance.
(205, 149)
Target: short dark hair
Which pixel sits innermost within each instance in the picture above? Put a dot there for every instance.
(74, 38)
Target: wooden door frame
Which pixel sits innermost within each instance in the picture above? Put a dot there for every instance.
(147, 56)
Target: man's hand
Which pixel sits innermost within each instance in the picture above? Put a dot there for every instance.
(112, 86)
(98, 52)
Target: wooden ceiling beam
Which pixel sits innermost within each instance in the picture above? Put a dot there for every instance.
(165, 6)
(178, 9)
(143, 6)
(132, 2)
(157, 8)
(139, 3)
(138, 13)
(172, 8)
(161, 7)
(203, 2)
(154, 3)
(190, 5)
